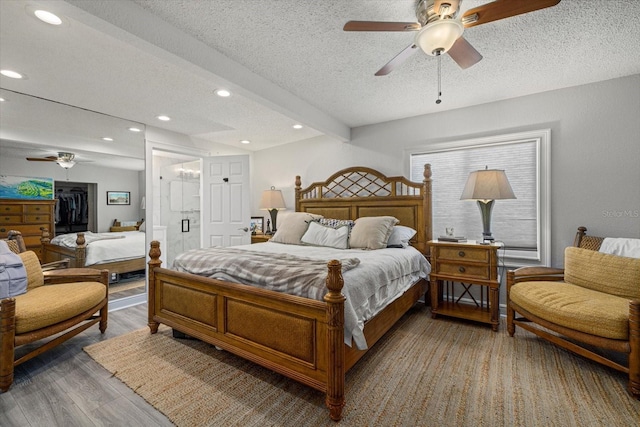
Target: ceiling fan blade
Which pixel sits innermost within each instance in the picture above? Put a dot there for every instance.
(397, 60)
(42, 159)
(501, 9)
(381, 26)
(464, 54)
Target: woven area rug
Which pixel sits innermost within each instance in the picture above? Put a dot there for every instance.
(424, 372)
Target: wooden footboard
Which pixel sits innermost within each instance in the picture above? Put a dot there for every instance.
(300, 338)
(77, 256)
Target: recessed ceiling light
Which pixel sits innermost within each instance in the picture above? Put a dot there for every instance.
(11, 74)
(135, 130)
(297, 126)
(223, 93)
(106, 138)
(47, 17)
(245, 141)
(164, 118)
(2, 100)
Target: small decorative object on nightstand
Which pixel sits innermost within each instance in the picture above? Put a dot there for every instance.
(463, 266)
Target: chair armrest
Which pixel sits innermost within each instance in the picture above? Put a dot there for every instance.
(55, 265)
(76, 275)
(523, 274)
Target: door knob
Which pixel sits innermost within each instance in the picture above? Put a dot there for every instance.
(245, 229)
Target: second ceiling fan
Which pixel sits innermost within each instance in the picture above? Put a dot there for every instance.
(440, 30)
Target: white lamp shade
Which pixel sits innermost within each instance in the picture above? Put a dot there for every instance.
(272, 199)
(439, 36)
(487, 184)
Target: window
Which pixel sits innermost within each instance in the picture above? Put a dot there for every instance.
(521, 224)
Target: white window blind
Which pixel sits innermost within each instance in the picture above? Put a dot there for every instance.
(517, 223)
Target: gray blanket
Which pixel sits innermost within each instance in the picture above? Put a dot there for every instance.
(278, 272)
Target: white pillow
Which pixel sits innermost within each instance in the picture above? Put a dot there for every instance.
(319, 235)
(400, 236)
(372, 232)
(291, 227)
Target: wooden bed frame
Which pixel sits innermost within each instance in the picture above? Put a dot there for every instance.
(300, 338)
(77, 256)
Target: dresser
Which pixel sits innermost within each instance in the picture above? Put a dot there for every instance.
(464, 281)
(30, 217)
(260, 238)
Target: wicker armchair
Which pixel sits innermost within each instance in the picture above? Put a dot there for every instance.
(594, 300)
(16, 244)
(59, 301)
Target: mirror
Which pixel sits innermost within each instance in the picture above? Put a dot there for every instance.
(39, 129)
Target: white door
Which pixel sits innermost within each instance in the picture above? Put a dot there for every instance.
(225, 201)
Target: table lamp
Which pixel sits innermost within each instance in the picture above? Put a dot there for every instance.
(485, 186)
(272, 201)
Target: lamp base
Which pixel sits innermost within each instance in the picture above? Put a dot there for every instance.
(486, 207)
(273, 213)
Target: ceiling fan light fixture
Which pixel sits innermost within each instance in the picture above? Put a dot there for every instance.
(66, 164)
(439, 36)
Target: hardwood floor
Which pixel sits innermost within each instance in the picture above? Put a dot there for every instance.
(65, 387)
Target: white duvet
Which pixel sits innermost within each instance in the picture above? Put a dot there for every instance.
(107, 247)
(382, 276)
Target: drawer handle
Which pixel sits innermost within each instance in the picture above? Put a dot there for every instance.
(37, 208)
(7, 208)
(3, 229)
(461, 269)
(38, 218)
(461, 254)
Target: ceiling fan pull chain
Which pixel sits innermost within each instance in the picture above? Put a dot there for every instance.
(439, 55)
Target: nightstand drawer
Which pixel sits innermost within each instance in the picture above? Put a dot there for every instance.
(463, 270)
(463, 253)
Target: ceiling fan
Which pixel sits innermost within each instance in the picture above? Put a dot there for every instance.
(65, 160)
(440, 30)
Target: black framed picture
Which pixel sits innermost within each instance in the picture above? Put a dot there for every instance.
(118, 197)
(257, 224)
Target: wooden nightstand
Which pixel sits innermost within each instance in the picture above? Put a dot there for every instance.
(260, 238)
(463, 266)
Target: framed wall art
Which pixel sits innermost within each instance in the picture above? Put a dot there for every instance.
(118, 197)
(257, 225)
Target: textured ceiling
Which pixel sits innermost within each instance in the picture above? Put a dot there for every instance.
(289, 61)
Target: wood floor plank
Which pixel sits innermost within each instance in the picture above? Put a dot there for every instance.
(65, 387)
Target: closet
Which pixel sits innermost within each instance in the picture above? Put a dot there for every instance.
(75, 207)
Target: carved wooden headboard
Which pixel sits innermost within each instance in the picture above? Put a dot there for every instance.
(359, 191)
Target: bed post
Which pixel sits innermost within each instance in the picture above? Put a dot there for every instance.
(81, 251)
(298, 189)
(335, 331)
(426, 194)
(154, 254)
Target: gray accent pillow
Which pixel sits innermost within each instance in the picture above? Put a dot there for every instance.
(292, 226)
(372, 232)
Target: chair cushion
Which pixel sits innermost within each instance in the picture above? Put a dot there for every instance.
(612, 274)
(35, 278)
(47, 305)
(575, 307)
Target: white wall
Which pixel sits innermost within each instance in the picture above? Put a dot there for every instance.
(595, 152)
(107, 179)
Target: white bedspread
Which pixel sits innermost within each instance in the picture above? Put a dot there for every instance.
(107, 247)
(382, 276)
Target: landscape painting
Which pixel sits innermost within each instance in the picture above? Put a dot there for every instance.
(29, 188)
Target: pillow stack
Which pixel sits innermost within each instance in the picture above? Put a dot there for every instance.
(301, 228)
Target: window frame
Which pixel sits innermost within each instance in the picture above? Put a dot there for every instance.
(542, 140)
